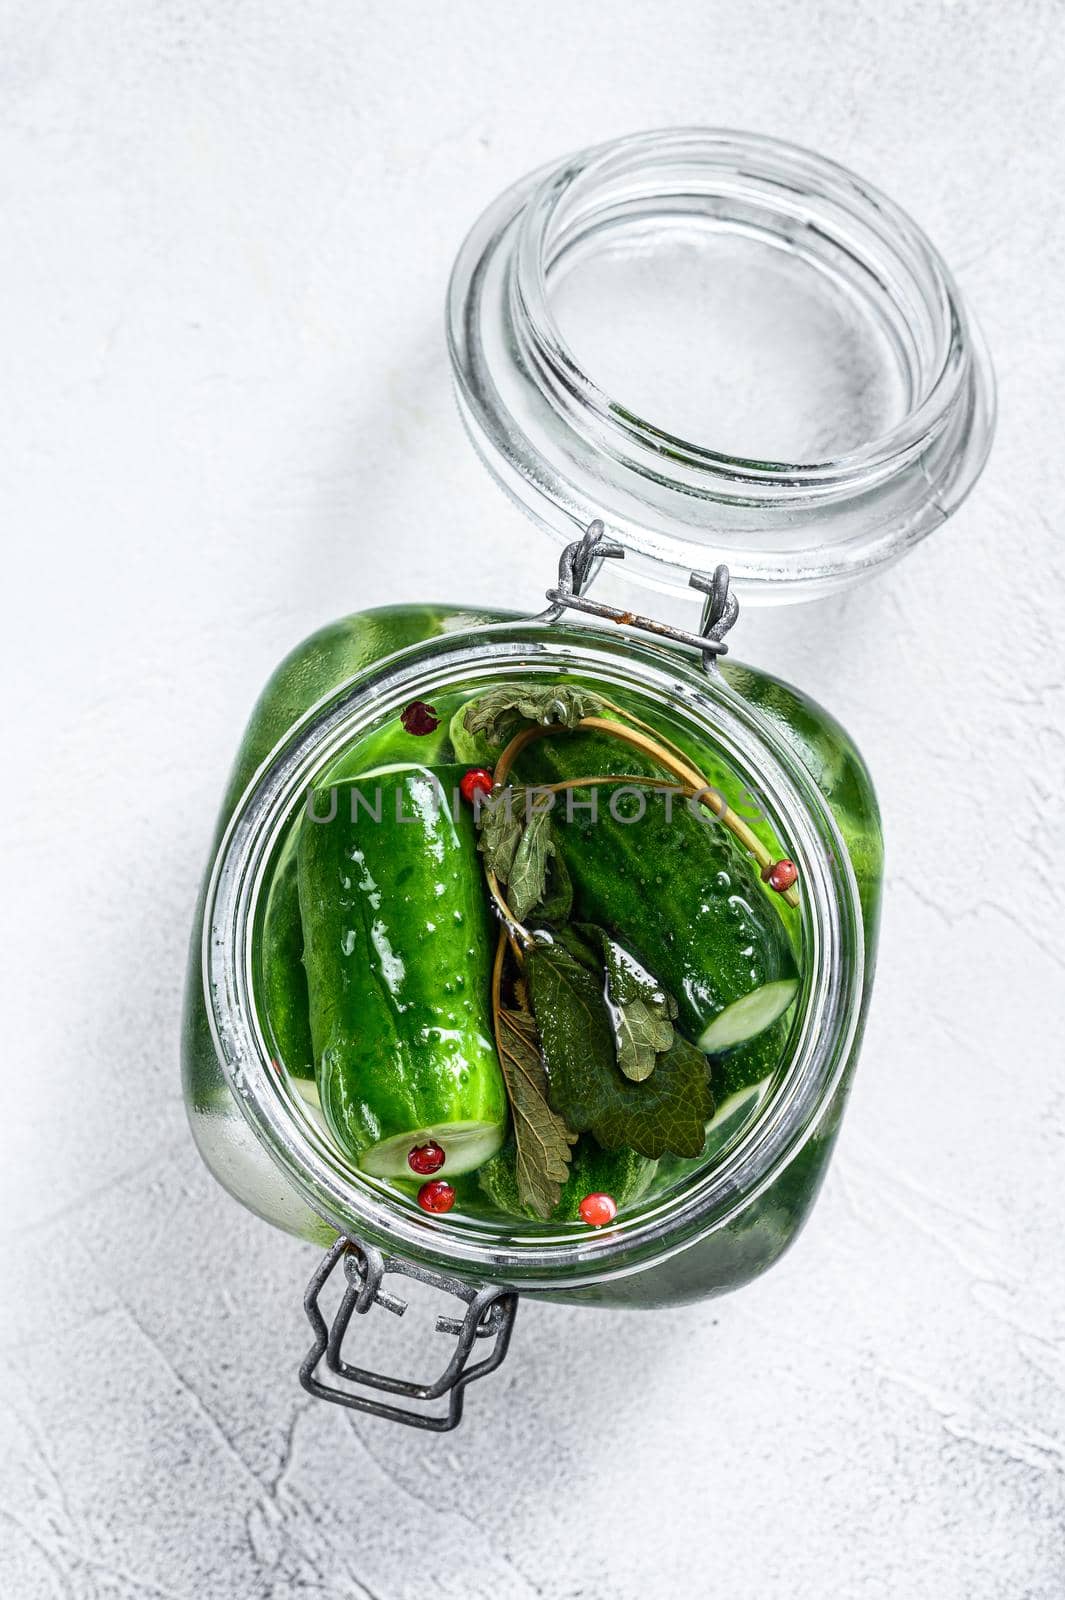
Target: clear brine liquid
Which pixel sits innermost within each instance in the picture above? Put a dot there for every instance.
(282, 990)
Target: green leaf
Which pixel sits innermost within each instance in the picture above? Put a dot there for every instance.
(541, 1137)
(528, 871)
(642, 1011)
(518, 845)
(641, 1037)
(575, 1033)
(668, 1111)
(556, 904)
(500, 712)
(501, 820)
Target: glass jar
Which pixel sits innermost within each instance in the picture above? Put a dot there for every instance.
(570, 454)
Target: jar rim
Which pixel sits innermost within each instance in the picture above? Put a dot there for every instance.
(569, 451)
(832, 980)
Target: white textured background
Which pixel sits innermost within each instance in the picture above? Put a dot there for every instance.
(225, 417)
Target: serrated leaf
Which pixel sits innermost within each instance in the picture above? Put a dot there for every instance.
(501, 820)
(542, 1140)
(518, 844)
(666, 1112)
(500, 712)
(527, 879)
(641, 1037)
(669, 1111)
(556, 904)
(642, 1012)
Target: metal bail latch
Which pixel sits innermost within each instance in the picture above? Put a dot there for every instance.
(489, 1314)
(578, 565)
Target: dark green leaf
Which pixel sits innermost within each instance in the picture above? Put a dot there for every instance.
(666, 1112)
(575, 1033)
(642, 1011)
(501, 818)
(518, 844)
(556, 904)
(499, 713)
(541, 1137)
(641, 1036)
(528, 871)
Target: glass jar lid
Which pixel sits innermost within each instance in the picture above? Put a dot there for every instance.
(729, 349)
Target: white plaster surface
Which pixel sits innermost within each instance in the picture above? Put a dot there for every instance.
(226, 417)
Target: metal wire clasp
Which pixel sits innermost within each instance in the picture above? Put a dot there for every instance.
(578, 565)
(490, 1313)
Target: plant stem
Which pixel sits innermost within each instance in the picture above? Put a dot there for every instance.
(708, 795)
(637, 722)
(497, 980)
(669, 757)
(635, 779)
(519, 936)
(516, 746)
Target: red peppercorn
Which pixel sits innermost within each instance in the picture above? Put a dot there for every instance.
(598, 1209)
(780, 875)
(436, 1196)
(426, 1159)
(418, 718)
(477, 781)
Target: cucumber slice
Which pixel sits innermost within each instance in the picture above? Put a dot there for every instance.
(740, 1080)
(752, 1063)
(398, 944)
(466, 1146)
(746, 1018)
(731, 1116)
(729, 1120)
(307, 1090)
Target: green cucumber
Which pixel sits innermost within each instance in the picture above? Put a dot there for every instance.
(398, 944)
(472, 749)
(284, 981)
(620, 1173)
(674, 887)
